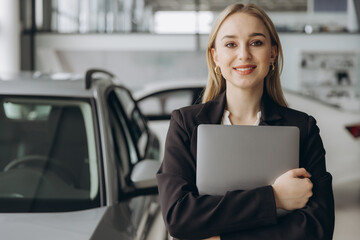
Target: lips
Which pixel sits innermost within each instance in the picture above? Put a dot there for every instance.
(245, 69)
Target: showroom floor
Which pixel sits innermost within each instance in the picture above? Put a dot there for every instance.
(347, 214)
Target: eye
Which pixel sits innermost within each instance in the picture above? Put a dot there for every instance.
(230, 45)
(256, 43)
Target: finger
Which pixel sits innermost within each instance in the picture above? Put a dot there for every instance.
(310, 194)
(300, 172)
(309, 182)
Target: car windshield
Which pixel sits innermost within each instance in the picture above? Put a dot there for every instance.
(48, 158)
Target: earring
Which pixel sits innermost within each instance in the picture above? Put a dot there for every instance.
(272, 66)
(217, 70)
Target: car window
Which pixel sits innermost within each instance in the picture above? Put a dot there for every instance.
(123, 148)
(136, 123)
(124, 145)
(48, 157)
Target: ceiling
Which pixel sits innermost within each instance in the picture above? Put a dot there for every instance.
(219, 5)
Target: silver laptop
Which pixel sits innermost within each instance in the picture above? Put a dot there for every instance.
(243, 157)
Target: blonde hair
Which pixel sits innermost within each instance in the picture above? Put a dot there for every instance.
(216, 82)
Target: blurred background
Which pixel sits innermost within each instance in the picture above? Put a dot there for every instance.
(147, 42)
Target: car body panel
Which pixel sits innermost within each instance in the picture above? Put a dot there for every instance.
(33, 85)
(155, 88)
(111, 186)
(120, 221)
(69, 225)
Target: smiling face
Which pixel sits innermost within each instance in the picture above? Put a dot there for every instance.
(243, 51)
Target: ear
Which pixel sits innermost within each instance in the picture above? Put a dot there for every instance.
(214, 55)
(273, 54)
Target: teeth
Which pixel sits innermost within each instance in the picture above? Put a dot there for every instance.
(244, 69)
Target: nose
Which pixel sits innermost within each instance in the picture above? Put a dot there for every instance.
(244, 52)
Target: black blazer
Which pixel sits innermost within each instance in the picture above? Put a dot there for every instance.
(240, 214)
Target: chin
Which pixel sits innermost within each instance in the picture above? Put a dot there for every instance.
(245, 84)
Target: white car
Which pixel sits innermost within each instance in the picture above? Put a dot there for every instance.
(77, 160)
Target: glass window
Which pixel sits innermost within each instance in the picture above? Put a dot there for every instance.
(48, 159)
(136, 123)
(124, 146)
(121, 144)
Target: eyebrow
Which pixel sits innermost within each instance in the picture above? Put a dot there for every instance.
(251, 35)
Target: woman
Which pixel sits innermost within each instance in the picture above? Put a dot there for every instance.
(245, 58)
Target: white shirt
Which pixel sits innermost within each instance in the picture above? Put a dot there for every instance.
(226, 120)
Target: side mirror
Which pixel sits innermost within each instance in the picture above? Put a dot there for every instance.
(144, 172)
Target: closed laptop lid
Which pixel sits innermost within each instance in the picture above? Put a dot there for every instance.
(241, 157)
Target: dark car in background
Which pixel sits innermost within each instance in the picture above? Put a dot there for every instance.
(77, 160)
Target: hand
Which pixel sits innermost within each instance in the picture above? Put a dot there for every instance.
(293, 189)
(213, 238)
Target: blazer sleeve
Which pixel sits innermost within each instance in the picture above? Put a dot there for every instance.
(316, 219)
(189, 215)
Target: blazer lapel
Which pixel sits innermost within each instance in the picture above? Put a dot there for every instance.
(269, 111)
(212, 111)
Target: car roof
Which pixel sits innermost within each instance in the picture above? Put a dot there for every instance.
(57, 85)
(161, 86)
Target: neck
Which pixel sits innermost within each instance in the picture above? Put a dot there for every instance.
(243, 105)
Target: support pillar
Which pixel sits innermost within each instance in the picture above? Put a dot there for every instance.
(9, 36)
